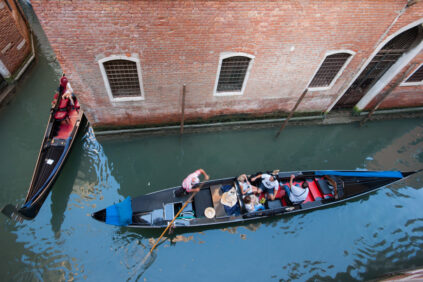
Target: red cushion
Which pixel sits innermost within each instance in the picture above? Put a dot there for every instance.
(63, 103)
(60, 115)
(280, 193)
(76, 106)
(312, 185)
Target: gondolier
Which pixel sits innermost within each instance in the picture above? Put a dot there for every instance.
(190, 183)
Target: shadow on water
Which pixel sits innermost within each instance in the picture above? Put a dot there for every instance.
(65, 182)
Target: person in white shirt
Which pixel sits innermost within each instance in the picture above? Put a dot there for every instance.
(296, 194)
(252, 204)
(269, 185)
(246, 187)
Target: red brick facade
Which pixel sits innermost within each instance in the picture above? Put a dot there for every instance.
(15, 43)
(180, 42)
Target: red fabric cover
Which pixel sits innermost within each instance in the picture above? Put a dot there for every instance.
(63, 103)
(280, 193)
(61, 115)
(76, 106)
(312, 185)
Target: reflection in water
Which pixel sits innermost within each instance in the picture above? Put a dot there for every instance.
(64, 185)
(404, 153)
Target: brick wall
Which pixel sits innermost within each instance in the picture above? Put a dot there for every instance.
(14, 37)
(180, 42)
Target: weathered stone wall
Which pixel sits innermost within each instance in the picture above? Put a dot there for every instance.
(180, 42)
(14, 37)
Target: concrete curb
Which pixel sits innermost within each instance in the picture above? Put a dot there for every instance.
(343, 117)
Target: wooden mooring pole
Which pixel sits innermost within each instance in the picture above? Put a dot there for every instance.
(385, 94)
(292, 112)
(183, 108)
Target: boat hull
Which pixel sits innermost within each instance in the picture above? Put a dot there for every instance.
(55, 148)
(157, 209)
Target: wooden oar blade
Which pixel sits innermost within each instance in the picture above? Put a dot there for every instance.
(8, 210)
(11, 212)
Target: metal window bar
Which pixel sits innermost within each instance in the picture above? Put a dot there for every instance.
(417, 76)
(123, 78)
(232, 73)
(386, 57)
(329, 69)
(3, 83)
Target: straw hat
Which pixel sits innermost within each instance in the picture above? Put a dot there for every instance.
(209, 212)
(229, 198)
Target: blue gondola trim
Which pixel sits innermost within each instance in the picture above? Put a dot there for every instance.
(120, 214)
(387, 174)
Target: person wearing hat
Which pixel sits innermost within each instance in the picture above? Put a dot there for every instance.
(269, 185)
(65, 90)
(191, 183)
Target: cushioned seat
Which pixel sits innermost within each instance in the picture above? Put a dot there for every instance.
(324, 187)
(317, 195)
(61, 115)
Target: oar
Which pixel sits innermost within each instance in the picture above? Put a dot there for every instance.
(177, 214)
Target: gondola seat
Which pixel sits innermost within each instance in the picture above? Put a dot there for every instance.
(314, 190)
(76, 106)
(61, 115)
(324, 187)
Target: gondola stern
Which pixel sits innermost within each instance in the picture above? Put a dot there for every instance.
(119, 214)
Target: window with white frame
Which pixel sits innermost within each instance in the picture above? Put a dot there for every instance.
(122, 78)
(233, 73)
(329, 70)
(416, 78)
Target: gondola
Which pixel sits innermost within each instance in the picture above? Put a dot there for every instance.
(63, 125)
(326, 187)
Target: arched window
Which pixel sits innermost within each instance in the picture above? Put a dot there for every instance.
(122, 78)
(416, 78)
(329, 70)
(232, 73)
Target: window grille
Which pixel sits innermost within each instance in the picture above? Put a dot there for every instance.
(8, 5)
(417, 76)
(123, 78)
(232, 73)
(329, 69)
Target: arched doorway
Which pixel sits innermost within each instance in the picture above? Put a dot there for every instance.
(379, 65)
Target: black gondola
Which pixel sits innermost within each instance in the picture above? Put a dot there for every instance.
(62, 128)
(157, 209)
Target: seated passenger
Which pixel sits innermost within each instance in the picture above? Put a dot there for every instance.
(245, 185)
(269, 185)
(252, 204)
(296, 194)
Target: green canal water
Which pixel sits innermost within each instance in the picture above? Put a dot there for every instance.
(358, 240)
